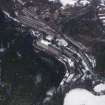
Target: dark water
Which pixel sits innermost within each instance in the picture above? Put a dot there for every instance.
(25, 75)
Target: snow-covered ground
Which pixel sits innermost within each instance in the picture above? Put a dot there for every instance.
(83, 97)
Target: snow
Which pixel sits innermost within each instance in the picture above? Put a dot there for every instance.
(45, 42)
(83, 97)
(8, 15)
(49, 38)
(99, 88)
(71, 2)
(62, 42)
(21, 2)
(71, 63)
